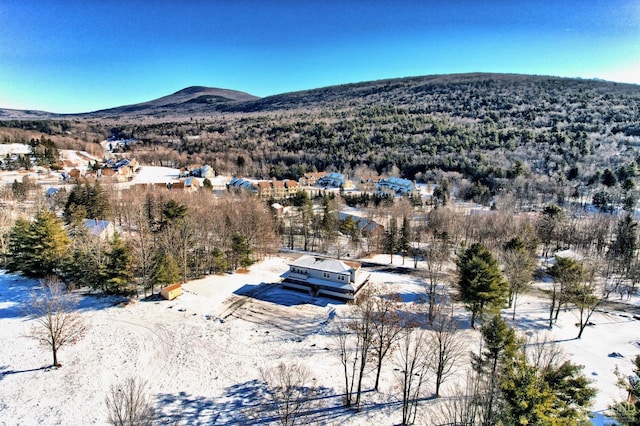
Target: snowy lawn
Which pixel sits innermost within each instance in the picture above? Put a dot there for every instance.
(201, 354)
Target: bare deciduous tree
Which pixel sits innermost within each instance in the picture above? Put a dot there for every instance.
(355, 337)
(587, 295)
(436, 255)
(446, 345)
(129, 404)
(57, 322)
(387, 327)
(466, 405)
(412, 362)
(289, 389)
(518, 269)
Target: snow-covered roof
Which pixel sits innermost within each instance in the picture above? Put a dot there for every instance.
(324, 264)
(569, 254)
(96, 226)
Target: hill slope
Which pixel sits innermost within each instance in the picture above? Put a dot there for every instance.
(181, 102)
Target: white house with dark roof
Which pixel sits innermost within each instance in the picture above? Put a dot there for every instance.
(323, 276)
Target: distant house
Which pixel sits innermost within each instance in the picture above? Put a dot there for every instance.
(242, 184)
(323, 276)
(397, 186)
(108, 172)
(369, 184)
(367, 226)
(279, 190)
(192, 184)
(207, 172)
(292, 187)
(172, 291)
(332, 180)
(100, 228)
(50, 192)
(265, 189)
(311, 178)
(74, 174)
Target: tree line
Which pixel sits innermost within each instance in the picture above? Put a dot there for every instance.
(161, 238)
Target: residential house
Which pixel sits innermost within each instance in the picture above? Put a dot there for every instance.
(102, 229)
(325, 277)
(311, 178)
(242, 184)
(265, 190)
(108, 172)
(367, 226)
(207, 172)
(74, 174)
(279, 191)
(292, 187)
(50, 192)
(397, 186)
(192, 184)
(332, 180)
(369, 184)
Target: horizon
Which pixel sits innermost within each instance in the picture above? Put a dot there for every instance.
(74, 57)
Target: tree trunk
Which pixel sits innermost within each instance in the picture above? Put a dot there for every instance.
(54, 349)
(378, 369)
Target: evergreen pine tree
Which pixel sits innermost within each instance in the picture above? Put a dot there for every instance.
(165, 271)
(120, 267)
(391, 238)
(92, 200)
(482, 286)
(39, 248)
(623, 248)
(527, 400)
(404, 241)
(241, 251)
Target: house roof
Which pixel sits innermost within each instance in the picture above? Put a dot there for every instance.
(51, 191)
(324, 264)
(172, 287)
(311, 175)
(96, 226)
(364, 223)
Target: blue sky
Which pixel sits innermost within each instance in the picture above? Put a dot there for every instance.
(78, 56)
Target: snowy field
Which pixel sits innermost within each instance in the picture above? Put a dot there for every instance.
(201, 354)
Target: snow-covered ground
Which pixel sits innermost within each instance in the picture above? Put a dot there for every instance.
(155, 174)
(201, 354)
(14, 148)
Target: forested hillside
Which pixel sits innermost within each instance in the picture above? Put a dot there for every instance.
(483, 131)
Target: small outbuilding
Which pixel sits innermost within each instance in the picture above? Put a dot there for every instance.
(172, 291)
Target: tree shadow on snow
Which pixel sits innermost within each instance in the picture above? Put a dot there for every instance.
(183, 408)
(14, 293)
(16, 290)
(529, 324)
(247, 404)
(4, 371)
